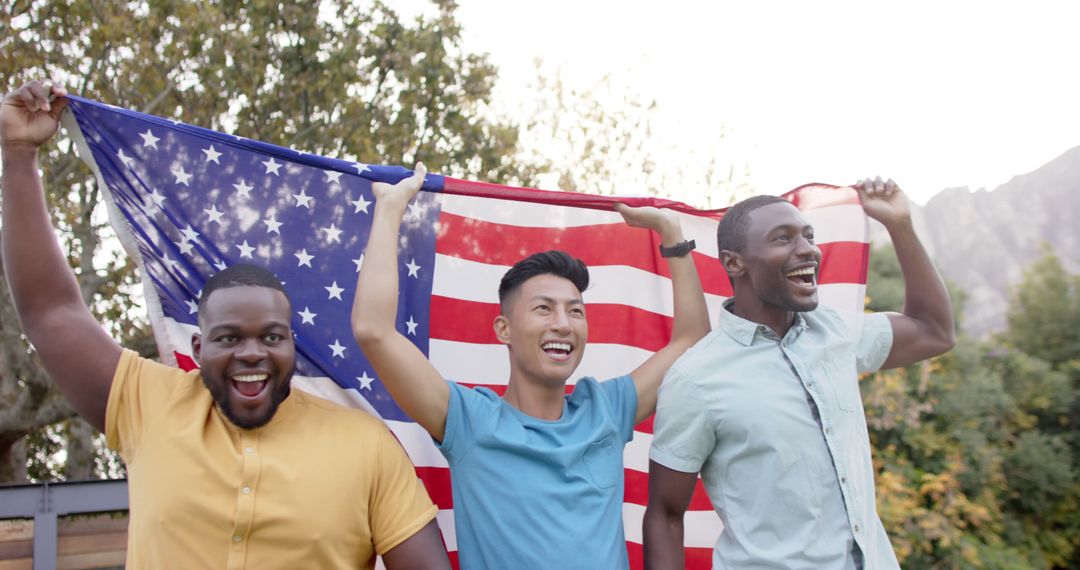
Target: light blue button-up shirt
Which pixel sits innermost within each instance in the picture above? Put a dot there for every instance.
(777, 430)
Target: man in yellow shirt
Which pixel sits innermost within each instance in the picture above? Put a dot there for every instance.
(227, 467)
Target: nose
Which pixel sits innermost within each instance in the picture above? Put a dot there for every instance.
(560, 321)
(807, 249)
(250, 350)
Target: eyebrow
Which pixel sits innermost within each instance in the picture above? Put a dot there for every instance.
(575, 300)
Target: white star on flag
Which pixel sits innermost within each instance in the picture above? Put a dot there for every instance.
(215, 215)
(415, 210)
(272, 166)
(272, 225)
(359, 261)
(149, 140)
(413, 268)
(245, 250)
(189, 233)
(127, 160)
(192, 306)
(412, 325)
(339, 350)
(360, 204)
(184, 246)
(333, 234)
(243, 189)
(307, 317)
(365, 380)
(304, 258)
(335, 291)
(182, 176)
(302, 199)
(332, 176)
(360, 167)
(221, 265)
(158, 199)
(212, 154)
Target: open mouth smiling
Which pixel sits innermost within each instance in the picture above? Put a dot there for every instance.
(804, 276)
(249, 385)
(557, 349)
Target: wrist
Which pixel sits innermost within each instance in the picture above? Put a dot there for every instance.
(19, 150)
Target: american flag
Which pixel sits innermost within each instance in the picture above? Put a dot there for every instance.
(187, 202)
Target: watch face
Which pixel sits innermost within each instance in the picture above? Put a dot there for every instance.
(678, 250)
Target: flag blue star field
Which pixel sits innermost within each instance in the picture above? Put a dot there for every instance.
(187, 202)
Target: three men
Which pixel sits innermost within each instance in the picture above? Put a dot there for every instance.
(227, 467)
(537, 474)
(767, 406)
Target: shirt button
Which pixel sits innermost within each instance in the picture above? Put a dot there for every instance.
(246, 490)
(843, 479)
(236, 538)
(826, 430)
(249, 450)
(856, 528)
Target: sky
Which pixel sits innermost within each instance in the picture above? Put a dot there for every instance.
(932, 94)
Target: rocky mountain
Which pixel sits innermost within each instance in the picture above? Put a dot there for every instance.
(983, 240)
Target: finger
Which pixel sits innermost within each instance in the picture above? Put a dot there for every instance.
(879, 184)
(891, 186)
(39, 95)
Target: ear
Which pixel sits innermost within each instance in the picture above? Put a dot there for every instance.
(196, 347)
(732, 263)
(502, 329)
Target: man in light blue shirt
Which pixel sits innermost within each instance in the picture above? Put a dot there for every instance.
(767, 407)
(536, 474)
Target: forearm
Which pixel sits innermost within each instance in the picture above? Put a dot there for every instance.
(375, 305)
(691, 314)
(38, 275)
(926, 298)
(663, 540)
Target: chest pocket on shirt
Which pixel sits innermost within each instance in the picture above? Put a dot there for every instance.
(844, 384)
(603, 462)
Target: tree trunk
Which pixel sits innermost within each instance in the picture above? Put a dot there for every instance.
(13, 461)
(81, 452)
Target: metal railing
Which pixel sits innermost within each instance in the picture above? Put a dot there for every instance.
(44, 502)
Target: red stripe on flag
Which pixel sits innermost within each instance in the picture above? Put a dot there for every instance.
(696, 558)
(470, 321)
(844, 262)
(437, 481)
(560, 198)
(816, 195)
(501, 244)
(185, 362)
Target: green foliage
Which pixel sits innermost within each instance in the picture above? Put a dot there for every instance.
(977, 450)
(1044, 314)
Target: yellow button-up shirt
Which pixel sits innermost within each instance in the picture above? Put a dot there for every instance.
(320, 486)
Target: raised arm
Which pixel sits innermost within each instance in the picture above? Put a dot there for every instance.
(413, 382)
(77, 353)
(669, 495)
(925, 327)
(691, 315)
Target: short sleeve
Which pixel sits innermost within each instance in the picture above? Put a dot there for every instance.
(874, 342)
(400, 505)
(468, 412)
(683, 436)
(620, 395)
(139, 389)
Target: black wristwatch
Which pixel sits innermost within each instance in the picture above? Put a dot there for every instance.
(678, 250)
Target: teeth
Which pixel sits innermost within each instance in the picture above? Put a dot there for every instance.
(556, 346)
(249, 377)
(804, 271)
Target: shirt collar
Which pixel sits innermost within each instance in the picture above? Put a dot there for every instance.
(744, 331)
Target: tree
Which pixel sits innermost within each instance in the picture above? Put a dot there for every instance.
(335, 78)
(1044, 312)
(976, 450)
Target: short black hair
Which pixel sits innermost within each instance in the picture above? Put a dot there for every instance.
(552, 262)
(731, 232)
(240, 275)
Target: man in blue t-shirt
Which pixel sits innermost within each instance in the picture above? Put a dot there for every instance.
(537, 474)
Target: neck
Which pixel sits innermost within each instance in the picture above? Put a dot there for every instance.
(535, 399)
(755, 310)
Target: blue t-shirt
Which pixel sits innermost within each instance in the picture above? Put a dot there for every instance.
(532, 493)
